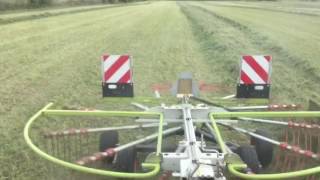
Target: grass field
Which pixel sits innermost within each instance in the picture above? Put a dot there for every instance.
(56, 58)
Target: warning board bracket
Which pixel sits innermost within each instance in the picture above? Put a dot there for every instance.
(117, 90)
(253, 91)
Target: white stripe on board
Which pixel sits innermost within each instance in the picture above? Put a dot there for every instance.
(263, 62)
(120, 72)
(110, 61)
(251, 73)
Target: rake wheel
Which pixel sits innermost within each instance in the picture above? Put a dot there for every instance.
(249, 155)
(126, 160)
(107, 140)
(264, 149)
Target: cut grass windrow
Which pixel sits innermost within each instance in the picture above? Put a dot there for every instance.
(265, 7)
(33, 15)
(216, 31)
(298, 34)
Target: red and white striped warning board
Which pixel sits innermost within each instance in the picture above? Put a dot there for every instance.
(116, 69)
(255, 69)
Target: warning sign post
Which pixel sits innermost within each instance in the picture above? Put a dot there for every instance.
(255, 73)
(117, 76)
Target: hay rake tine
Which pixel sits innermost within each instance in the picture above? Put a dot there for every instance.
(69, 148)
(80, 145)
(76, 146)
(53, 146)
(112, 151)
(58, 145)
(282, 145)
(64, 148)
(56, 141)
(290, 124)
(318, 143)
(88, 149)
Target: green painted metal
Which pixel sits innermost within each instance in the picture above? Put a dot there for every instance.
(154, 167)
(159, 144)
(234, 168)
(218, 134)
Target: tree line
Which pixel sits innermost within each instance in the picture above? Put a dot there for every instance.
(12, 4)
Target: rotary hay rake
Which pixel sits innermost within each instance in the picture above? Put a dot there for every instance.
(183, 140)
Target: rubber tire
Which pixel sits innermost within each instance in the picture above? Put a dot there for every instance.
(264, 149)
(125, 160)
(249, 156)
(108, 139)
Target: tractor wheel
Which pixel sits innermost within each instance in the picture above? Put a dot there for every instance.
(249, 156)
(126, 160)
(264, 149)
(108, 139)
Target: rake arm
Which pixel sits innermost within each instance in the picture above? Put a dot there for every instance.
(235, 169)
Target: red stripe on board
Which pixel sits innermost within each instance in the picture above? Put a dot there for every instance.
(268, 58)
(105, 57)
(125, 78)
(115, 67)
(245, 78)
(256, 67)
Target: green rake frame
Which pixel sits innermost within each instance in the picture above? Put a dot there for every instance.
(235, 168)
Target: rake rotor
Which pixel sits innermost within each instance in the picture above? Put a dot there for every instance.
(84, 160)
(183, 140)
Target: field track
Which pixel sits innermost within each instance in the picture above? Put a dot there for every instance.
(56, 58)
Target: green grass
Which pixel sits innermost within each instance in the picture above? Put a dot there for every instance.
(291, 43)
(298, 33)
(288, 6)
(8, 17)
(56, 59)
